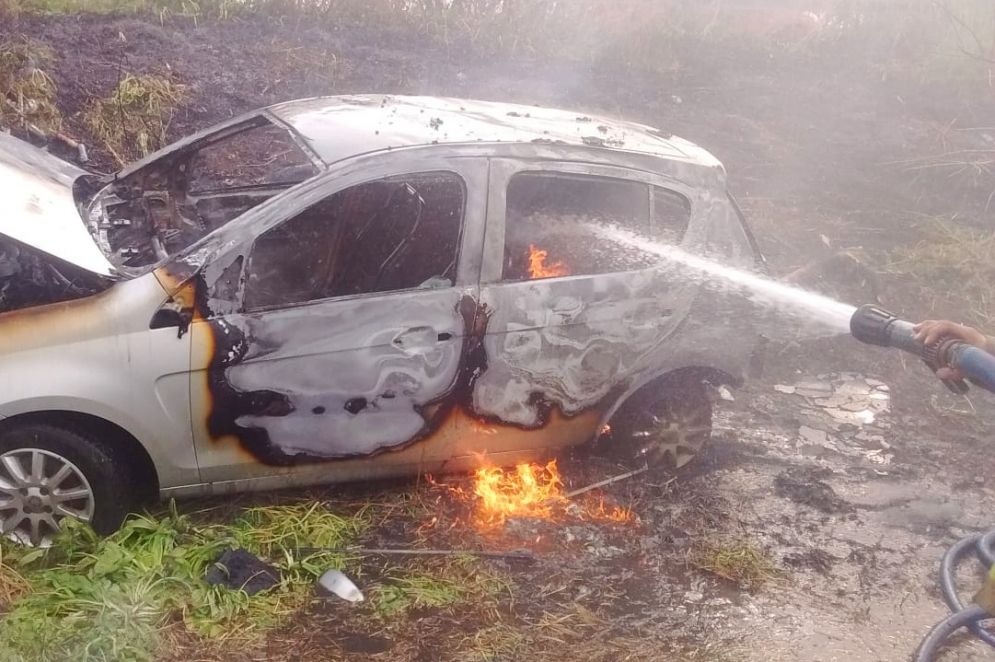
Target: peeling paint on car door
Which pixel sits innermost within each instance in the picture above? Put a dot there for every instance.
(572, 323)
(348, 348)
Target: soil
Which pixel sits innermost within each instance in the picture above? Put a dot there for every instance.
(821, 148)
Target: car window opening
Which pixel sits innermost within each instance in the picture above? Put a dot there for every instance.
(163, 208)
(382, 236)
(553, 218)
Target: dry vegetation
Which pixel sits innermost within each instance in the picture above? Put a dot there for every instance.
(953, 262)
(27, 93)
(923, 39)
(739, 562)
(131, 123)
(931, 35)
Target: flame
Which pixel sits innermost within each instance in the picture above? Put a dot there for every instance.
(527, 491)
(538, 270)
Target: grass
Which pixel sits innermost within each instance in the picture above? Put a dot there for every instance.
(741, 563)
(131, 123)
(27, 93)
(439, 583)
(12, 585)
(938, 38)
(87, 598)
(498, 641)
(953, 261)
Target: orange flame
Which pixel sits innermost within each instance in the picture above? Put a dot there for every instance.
(538, 270)
(528, 491)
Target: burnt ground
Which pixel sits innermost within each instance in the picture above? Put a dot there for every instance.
(825, 148)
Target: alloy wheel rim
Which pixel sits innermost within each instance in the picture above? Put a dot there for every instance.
(38, 488)
(679, 435)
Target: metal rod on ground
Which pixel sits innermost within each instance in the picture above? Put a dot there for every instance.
(603, 483)
(524, 554)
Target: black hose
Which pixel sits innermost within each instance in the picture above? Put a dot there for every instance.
(986, 548)
(930, 646)
(983, 544)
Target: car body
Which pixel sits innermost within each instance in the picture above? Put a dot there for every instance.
(345, 288)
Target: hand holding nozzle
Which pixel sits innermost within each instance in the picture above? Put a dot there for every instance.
(956, 353)
(930, 332)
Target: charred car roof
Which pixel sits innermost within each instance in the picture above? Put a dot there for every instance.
(341, 127)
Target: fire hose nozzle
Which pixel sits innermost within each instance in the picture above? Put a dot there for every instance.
(876, 326)
(870, 324)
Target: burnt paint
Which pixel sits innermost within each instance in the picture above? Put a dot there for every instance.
(231, 347)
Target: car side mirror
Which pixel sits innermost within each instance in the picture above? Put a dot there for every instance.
(170, 315)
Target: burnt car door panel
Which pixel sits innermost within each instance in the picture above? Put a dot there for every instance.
(573, 317)
(349, 339)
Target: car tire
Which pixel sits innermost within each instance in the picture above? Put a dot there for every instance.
(663, 425)
(48, 473)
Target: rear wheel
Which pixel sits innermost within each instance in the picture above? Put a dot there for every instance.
(664, 424)
(48, 473)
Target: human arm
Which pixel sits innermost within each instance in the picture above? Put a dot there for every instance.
(930, 331)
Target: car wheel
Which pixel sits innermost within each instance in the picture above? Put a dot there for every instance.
(666, 424)
(48, 473)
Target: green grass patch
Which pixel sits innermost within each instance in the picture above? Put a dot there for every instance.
(436, 584)
(739, 562)
(131, 123)
(90, 598)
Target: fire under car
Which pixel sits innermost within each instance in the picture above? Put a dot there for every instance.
(352, 288)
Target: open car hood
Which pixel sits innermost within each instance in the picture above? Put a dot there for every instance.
(37, 206)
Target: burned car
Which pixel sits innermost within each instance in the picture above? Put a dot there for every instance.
(348, 288)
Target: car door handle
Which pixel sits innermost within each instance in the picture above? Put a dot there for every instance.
(420, 336)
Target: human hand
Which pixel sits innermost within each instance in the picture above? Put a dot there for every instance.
(930, 331)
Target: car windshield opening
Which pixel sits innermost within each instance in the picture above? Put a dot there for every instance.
(173, 202)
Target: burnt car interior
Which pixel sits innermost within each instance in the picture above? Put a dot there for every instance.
(30, 278)
(387, 235)
(559, 214)
(172, 202)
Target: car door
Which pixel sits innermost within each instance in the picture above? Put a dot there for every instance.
(344, 353)
(577, 310)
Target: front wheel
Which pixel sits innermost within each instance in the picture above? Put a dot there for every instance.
(667, 423)
(48, 473)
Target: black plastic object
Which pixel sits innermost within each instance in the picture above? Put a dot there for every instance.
(869, 324)
(876, 326)
(962, 616)
(238, 569)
